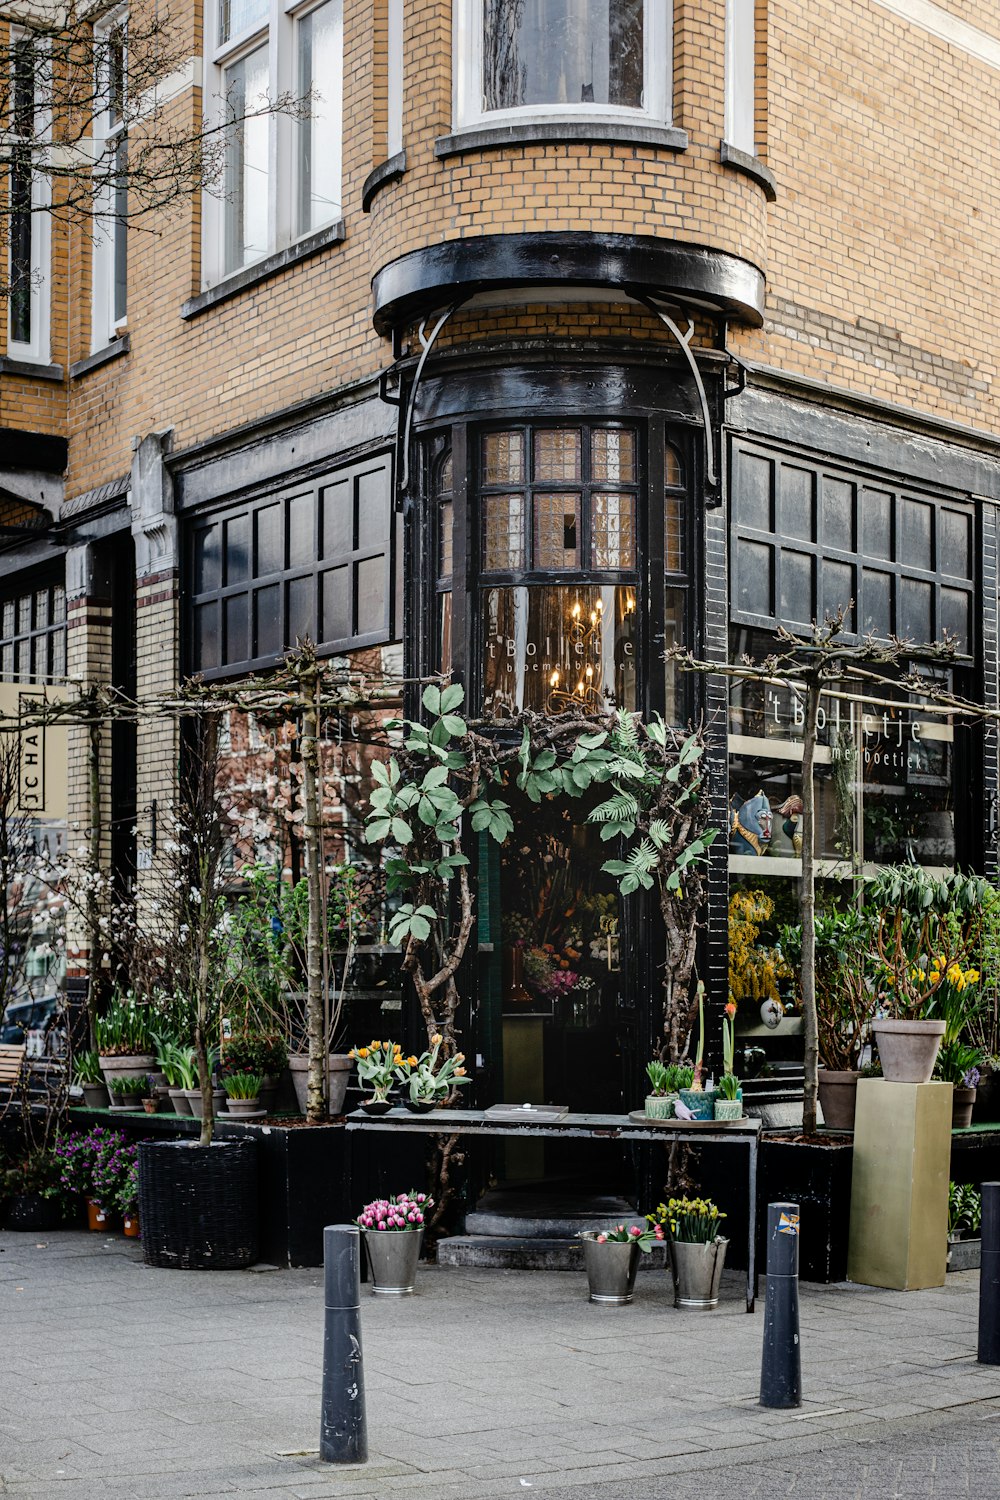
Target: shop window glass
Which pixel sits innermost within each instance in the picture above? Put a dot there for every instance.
(839, 585)
(503, 454)
(613, 457)
(444, 510)
(34, 633)
(552, 648)
(504, 538)
(350, 513)
(796, 587)
(755, 572)
(916, 535)
(955, 543)
(838, 514)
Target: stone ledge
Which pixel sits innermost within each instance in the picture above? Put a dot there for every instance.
(263, 270)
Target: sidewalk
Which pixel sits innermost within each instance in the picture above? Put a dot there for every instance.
(118, 1380)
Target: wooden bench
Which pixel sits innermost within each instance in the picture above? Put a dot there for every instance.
(11, 1063)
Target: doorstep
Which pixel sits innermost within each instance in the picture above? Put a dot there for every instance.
(510, 1252)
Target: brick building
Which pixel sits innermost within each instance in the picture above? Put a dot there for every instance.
(670, 318)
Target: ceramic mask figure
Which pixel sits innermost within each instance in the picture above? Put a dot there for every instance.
(750, 824)
(791, 811)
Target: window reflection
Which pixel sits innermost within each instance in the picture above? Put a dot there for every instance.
(556, 648)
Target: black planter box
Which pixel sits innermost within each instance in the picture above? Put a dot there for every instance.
(301, 1176)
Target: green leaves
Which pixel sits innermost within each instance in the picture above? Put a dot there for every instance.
(411, 922)
(635, 871)
(618, 816)
(491, 814)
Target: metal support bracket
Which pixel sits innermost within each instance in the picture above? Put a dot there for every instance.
(427, 342)
(684, 344)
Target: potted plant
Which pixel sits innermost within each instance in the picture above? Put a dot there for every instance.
(728, 1094)
(845, 1004)
(124, 1039)
(428, 1082)
(128, 1091)
(696, 1099)
(180, 1069)
(965, 1213)
(87, 1073)
(260, 1052)
(611, 1260)
(78, 1154)
(663, 1089)
(924, 929)
(243, 1094)
(697, 1250)
(127, 1194)
(958, 1064)
(378, 1066)
(114, 1168)
(393, 1231)
(32, 1186)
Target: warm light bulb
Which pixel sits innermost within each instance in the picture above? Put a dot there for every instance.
(554, 680)
(600, 606)
(590, 673)
(576, 611)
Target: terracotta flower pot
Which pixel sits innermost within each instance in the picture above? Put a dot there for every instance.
(908, 1049)
(838, 1097)
(97, 1219)
(131, 1226)
(339, 1067)
(961, 1108)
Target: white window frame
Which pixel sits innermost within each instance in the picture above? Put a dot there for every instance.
(108, 133)
(741, 78)
(467, 103)
(279, 33)
(394, 78)
(37, 349)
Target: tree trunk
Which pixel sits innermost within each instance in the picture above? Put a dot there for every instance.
(93, 929)
(807, 908)
(312, 829)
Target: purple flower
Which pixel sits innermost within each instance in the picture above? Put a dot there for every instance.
(971, 1079)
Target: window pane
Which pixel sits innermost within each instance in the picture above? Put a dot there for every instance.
(557, 455)
(270, 552)
(839, 589)
(7, 661)
(612, 458)
(553, 648)
(370, 594)
(41, 609)
(444, 632)
(673, 472)
(58, 604)
(915, 604)
(237, 551)
(245, 177)
(955, 617)
(673, 534)
(207, 560)
(373, 509)
(445, 545)
(612, 531)
(798, 597)
(301, 548)
(673, 635)
(338, 518)
(562, 52)
(207, 645)
(24, 614)
(752, 491)
(838, 514)
(503, 458)
(237, 637)
(503, 547)
(797, 509)
(320, 70)
(9, 619)
(876, 597)
(301, 610)
(337, 604)
(237, 16)
(556, 542)
(267, 622)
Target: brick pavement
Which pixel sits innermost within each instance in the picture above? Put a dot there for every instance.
(122, 1380)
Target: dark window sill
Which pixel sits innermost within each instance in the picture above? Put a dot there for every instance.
(496, 137)
(263, 270)
(28, 368)
(731, 156)
(390, 170)
(114, 350)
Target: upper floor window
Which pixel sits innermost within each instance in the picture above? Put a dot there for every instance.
(110, 234)
(33, 634)
(27, 313)
(281, 175)
(539, 58)
(740, 75)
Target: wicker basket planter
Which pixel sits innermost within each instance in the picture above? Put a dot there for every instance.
(198, 1204)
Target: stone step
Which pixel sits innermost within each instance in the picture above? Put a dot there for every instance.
(525, 1253)
(561, 1226)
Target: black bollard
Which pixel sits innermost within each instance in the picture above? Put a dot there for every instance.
(343, 1437)
(989, 1278)
(781, 1369)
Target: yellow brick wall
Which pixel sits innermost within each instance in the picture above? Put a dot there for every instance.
(879, 252)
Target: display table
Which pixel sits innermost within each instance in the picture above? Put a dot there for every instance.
(474, 1122)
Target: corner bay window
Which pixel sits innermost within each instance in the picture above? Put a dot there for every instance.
(538, 57)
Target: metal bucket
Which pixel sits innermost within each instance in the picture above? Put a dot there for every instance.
(697, 1272)
(610, 1267)
(393, 1255)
